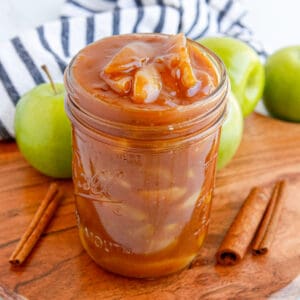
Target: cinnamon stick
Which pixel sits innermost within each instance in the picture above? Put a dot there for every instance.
(36, 227)
(266, 231)
(243, 228)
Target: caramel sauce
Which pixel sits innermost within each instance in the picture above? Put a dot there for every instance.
(174, 71)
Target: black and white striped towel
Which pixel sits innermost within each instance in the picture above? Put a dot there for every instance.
(84, 21)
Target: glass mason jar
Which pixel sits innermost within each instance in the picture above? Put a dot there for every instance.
(143, 188)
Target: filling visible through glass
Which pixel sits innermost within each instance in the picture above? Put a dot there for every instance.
(143, 209)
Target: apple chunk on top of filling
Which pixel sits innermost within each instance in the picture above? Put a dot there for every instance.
(143, 72)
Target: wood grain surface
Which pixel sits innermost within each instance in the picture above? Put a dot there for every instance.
(59, 268)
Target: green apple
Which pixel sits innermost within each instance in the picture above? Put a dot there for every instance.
(282, 90)
(244, 68)
(231, 134)
(43, 131)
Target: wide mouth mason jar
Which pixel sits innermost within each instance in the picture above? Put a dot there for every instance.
(143, 178)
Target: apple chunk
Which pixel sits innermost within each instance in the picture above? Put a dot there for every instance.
(178, 61)
(146, 85)
(129, 58)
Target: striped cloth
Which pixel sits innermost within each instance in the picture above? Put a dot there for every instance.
(84, 21)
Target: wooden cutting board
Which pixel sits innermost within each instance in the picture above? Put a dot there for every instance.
(59, 268)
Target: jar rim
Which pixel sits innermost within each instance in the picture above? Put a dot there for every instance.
(219, 92)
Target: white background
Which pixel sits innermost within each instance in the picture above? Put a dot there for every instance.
(276, 23)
